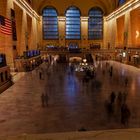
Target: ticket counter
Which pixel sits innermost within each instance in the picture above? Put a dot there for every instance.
(24, 65)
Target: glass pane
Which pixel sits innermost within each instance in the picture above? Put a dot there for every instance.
(73, 29)
(50, 23)
(95, 24)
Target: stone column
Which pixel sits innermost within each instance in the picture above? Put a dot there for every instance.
(30, 32)
(39, 33)
(113, 33)
(21, 27)
(127, 30)
(18, 18)
(61, 30)
(84, 32)
(33, 35)
(24, 33)
(105, 34)
(110, 33)
(129, 41)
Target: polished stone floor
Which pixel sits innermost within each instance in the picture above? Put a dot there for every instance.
(72, 104)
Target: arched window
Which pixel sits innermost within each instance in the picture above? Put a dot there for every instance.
(121, 2)
(50, 23)
(73, 28)
(95, 23)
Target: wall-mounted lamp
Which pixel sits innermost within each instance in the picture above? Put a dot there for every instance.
(137, 34)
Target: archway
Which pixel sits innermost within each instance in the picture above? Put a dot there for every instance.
(75, 59)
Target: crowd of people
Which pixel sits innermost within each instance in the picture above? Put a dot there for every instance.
(116, 105)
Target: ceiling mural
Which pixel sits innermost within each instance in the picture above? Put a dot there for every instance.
(84, 5)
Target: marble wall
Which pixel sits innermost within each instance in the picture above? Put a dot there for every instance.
(26, 29)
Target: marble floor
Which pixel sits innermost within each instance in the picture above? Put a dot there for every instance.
(72, 105)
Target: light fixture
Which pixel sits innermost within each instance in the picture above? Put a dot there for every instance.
(84, 60)
(137, 34)
(124, 54)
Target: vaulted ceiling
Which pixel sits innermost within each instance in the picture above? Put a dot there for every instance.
(84, 5)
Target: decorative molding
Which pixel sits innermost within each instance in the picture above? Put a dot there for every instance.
(130, 5)
(49, 2)
(72, 3)
(61, 18)
(24, 5)
(85, 19)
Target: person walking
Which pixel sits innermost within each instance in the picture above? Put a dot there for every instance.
(46, 99)
(111, 71)
(126, 82)
(43, 100)
(124, 97)
(125, 114)
(112, 97)
(109, 109)
(119, 98)
(40, 74)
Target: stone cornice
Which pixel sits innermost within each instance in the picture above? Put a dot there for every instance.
(129, 6)
(24, 5)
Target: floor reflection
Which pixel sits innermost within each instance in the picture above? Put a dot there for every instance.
(73, 104)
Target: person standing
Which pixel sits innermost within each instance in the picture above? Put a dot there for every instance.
(125, 114)
(112, 97)
(46, 99)
(43, 100)
(124, 97)
(119, 99)
(40, 75)
(126, 81)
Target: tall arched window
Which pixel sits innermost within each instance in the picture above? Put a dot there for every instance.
(121, 2)
(73, 28)
(95, 23)
(50, 23)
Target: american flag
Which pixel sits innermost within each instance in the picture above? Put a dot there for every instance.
(5, 25)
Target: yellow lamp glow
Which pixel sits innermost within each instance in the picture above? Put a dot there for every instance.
(84, 60)
(137, 34)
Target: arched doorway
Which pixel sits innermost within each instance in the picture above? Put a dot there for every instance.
(75, 59)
